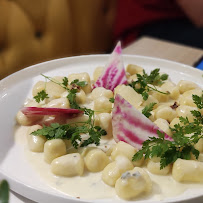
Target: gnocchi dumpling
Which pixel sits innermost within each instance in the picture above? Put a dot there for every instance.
(166, 113)
(35, 143)
(68, 165)
(22, 119)
(154, 167)
(38, 87)
(54, 90)
(160, 96)
(81, 97)
(133, 69)
(123, 149)
(104, 120)
(185, 111)
(169, 86)
(187, 170)
(174, 122)
(54, 149)
(101, 91)
(185, 85)
(133, 183)
(81, 77)
(113, 171)
(186, 97)
(163, 125)
(129, 94)
(102, 105)
(96, 160)
(150, 100)
(59, 103)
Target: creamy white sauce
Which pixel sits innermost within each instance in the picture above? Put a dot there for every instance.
(90, 185)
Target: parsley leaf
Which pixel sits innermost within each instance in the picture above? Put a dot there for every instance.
(198, 101)
(147, 109)
(65, 81)
(111, 100)
(182, 146)
(79, 83)
(146, 83)
(73, 131)
(72, 89)
(42, 95)
(72, 99)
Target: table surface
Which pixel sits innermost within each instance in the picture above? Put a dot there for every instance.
(147, 46)
(152, 47)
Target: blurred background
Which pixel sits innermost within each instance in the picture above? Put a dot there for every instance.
(33, 31)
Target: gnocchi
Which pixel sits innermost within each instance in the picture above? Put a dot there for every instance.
(113, 171)
(77, 154)
(133, 183)
(68, 165)
(35, 143)
(53, 149)
(96, 160)
(187, 170)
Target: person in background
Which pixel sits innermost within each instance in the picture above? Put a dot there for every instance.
(179, 21)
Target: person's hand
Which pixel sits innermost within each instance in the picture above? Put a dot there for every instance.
(193, 10)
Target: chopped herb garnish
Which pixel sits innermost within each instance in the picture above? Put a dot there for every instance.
(72, 89)
(182, 146)
(146, 83)
(73, 131)
(72, 99)
(41, 96)
(147, 110)
(78, 83)
(198, 100)
(111, 100)
(65, 81)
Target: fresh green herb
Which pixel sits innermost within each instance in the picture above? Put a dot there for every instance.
(198, 100)
(147, 110)
(181, 147)
(72, 89)
(73, 131)
(65, 81)
(146, 83)
(64, 84)
(78, 83)
(4, 192)
(111, 100)
(42, 95)
(72, 99)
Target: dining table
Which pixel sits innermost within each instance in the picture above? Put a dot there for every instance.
(151, 47)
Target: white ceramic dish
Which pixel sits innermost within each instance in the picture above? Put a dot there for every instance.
(16, 88)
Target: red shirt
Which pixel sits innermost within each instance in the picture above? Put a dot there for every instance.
(132, 15)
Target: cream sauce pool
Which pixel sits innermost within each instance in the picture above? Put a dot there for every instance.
(90, 185)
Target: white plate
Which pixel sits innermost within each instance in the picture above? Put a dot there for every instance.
(16, 88)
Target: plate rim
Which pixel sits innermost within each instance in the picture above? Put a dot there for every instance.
(101, 55)
(15, 74)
